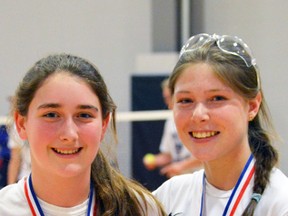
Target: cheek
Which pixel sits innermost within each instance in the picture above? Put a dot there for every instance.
(37, 131)
(181, 118)
(91, 134)
(232, 114)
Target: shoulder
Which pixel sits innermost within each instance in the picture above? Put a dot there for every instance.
(11, 190)
(182, 181)
(277, 189)
(13, 199)
(181, 194)
(180, 185)
(148, 203)
(278, 182)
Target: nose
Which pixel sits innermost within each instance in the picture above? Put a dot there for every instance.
(68, 131)
(200, 113)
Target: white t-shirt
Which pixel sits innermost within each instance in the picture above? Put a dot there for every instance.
(13, 202)
(170, 142)
(181, 196)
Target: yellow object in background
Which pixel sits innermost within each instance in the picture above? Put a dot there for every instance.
(150, 161)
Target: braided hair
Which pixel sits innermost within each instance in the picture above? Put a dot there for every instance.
(233, 71)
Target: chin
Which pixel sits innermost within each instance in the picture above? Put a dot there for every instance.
(73, 170)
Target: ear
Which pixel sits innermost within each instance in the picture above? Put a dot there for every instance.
(105, 124)
(254, 106)
(20, 123)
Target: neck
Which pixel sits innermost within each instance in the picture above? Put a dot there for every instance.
(61, 191)
(224, 173)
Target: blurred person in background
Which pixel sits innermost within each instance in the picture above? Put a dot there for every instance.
(4, 155)
(174, 158)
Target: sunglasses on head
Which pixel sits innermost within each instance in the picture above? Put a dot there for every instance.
(228, 44)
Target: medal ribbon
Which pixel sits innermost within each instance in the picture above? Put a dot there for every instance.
(35, 206)
(238, 191)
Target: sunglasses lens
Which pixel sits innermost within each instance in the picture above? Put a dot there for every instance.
(195, 43)
(236, 46)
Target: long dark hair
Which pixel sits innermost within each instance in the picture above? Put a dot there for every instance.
(115, 194)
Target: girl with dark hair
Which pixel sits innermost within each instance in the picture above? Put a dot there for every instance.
(222, 118)
(62, 108)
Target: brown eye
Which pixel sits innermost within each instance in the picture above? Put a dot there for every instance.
(184, 101)
(218, 98)
(85, 115)
(51, 115)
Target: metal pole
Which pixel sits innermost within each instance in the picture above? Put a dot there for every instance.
(185, 21)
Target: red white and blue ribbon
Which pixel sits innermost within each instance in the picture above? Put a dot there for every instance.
(35, 206)
(238, 191)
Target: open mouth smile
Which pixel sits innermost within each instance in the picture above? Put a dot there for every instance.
(203, 135)
(67, 152)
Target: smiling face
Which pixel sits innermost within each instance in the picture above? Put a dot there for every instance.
(64, 126)
(211, 118)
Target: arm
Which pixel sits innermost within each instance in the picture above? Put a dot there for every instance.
(157, 160)
(163, 159)
(14, 165)
(181, 167)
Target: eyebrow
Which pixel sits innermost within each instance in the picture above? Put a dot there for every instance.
(210, 90)
(56, 105)
(88, 107)
(48, 105)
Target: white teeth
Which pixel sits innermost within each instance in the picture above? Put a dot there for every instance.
(200, 135)
(66, 152)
